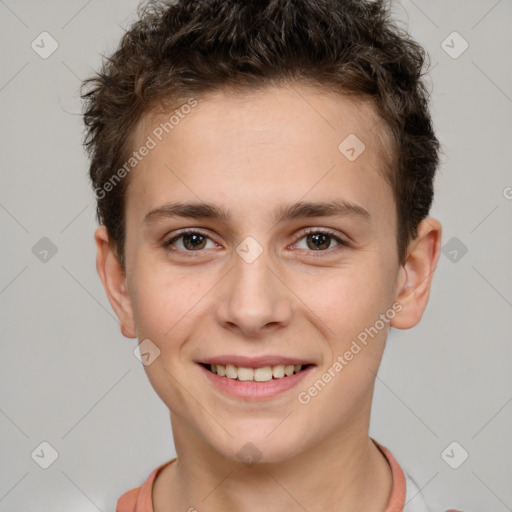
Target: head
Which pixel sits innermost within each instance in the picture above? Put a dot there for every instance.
(293, 142)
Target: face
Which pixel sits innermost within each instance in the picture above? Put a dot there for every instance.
(288, 257)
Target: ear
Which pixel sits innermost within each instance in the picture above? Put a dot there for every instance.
(113, 277)
(415, 275)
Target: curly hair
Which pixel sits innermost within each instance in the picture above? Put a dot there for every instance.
(186, 48)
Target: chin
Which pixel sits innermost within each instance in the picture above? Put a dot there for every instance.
(260, 443)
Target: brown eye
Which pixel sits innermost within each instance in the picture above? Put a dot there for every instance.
(319, 240)
(194, 241)
(188, 241)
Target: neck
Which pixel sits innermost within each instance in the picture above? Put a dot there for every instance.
(347, 472)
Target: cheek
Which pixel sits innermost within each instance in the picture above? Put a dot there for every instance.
(348, 306)
(165, 310)
(346, 300)
(167, 301)
(157, 300)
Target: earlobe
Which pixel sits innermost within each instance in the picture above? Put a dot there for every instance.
(415, 275)
(113, 277)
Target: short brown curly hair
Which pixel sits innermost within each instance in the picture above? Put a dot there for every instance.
(187, 48)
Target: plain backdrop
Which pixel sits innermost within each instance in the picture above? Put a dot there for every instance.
(69, 378)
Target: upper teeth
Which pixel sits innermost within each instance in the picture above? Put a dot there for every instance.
(257, 374)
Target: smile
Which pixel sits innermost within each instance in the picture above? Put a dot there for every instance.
(261, 374)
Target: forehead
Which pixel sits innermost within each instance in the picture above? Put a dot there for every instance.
(262, 146)
(291, 110)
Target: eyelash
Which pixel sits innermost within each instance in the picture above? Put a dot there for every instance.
(342, 243)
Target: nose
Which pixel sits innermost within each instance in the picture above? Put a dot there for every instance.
(254, 299)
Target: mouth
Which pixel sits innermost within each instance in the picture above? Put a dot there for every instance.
(262, 377)
(260, 374)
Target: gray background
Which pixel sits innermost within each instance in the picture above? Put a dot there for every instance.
(69, 378)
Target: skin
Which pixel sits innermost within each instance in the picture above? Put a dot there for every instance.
(249, 154)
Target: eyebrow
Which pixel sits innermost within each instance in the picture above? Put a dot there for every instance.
(302, 209)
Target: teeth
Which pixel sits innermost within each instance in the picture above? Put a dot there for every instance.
(245, 374)
(288, 370)
(263, 374)
(278, 371)
(231, 371)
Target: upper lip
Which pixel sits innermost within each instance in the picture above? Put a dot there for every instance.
(255, 362)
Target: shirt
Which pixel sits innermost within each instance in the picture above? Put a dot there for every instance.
(140, 498)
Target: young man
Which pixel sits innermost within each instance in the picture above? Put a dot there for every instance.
(264, 173)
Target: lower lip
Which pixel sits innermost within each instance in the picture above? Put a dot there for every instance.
(251, 390)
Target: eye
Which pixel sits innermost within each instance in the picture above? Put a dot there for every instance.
(188, 241)
(319, 240)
